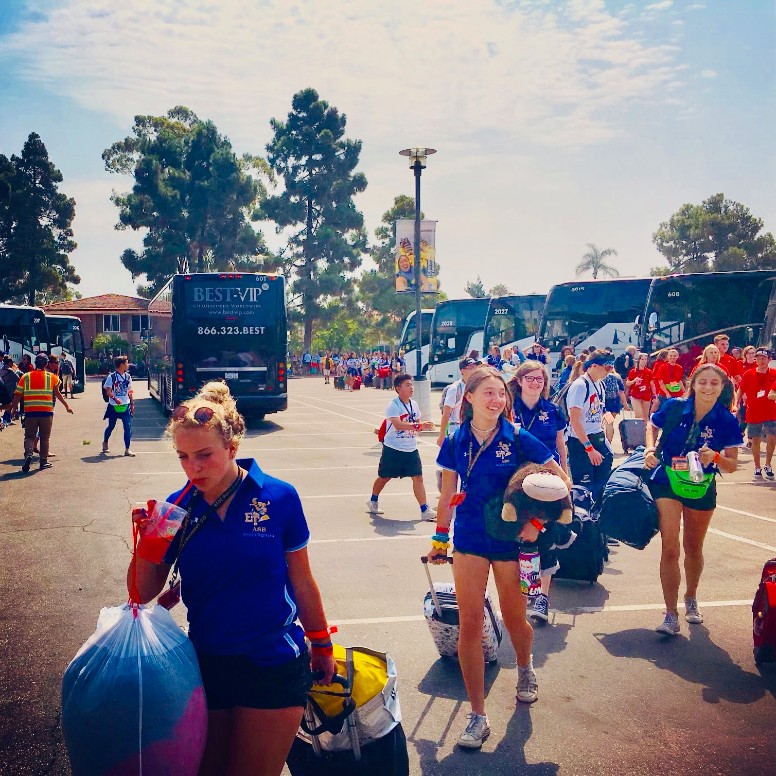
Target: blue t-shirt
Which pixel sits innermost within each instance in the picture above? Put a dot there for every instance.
(543, 421)
(234, 575)
(541, 357)
(718, 429)
(495, 361)
(489, 478)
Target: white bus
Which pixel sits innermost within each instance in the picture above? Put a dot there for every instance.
(409, 342)
(457, 328)
(513, 321)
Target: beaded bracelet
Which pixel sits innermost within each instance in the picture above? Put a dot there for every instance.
(439, 545)
(444, 538)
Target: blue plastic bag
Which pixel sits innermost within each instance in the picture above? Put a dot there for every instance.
(132, 698)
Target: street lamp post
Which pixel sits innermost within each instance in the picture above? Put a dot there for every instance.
(417, 157)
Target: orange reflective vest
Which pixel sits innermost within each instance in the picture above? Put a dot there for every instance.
(37, 390)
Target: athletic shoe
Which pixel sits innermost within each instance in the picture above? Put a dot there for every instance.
(758, 472)
(104, 448)
(46, 465)
(670, 625)
(540, 609)
(129, 453)
(477, 730)
(527, 686)
(373, 509)
(27, 463)
(691, 612)
(768, 472)
(610, 542)
(429, 515)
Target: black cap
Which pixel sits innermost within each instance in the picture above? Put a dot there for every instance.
(465, 363)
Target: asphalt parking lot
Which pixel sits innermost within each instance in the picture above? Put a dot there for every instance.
(615, 697)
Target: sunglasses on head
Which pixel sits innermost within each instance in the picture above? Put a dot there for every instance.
(201, 415)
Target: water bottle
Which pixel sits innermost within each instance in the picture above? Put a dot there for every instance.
(530, 577)
(694, 466)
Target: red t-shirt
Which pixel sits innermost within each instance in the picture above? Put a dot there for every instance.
(671, 375)
(731, 365)
(642, 390)
(755, 387)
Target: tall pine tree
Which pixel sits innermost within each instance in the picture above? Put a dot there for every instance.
(35, 227)
(192, 194)
(326, 235)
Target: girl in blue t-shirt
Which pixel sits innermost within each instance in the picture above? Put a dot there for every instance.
(534, 412)
(702, 423)
(484, 453)
(242, 554)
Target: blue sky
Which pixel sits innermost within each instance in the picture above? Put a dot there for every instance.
(557, 122)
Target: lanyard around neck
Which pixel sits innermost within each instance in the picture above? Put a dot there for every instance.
(520, 414)
(473, 458)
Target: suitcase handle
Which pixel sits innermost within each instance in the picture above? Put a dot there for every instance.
(437, 605)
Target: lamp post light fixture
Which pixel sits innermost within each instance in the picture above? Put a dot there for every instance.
(417, 158)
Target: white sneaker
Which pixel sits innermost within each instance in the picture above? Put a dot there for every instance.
(670, 625)
(527, 686)
(477, 730)
(429, 515)
(373, 509)
(691, 612)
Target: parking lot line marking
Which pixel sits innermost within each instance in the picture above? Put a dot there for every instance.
(401, 537)
(371, 423)
(742, 539)
(748, 514)
(573, 610)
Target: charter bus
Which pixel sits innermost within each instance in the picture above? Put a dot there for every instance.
(593, 313)
(687, 311)
(66, 340)
(409, 341)
(224, 326)
(513, 321)
(457, 328)
(23, 331)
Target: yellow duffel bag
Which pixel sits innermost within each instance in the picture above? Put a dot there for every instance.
(360, 707)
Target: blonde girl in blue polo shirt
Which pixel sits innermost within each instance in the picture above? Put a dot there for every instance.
(246, 582)
(484, 453)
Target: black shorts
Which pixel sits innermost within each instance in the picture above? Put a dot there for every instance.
(397, 464)
(235, 680)
(704, 504)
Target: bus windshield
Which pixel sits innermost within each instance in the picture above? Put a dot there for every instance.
(691, 309)
(598, 313)
(453, 324)
(23, 331)
(513, 320)
(67, 341)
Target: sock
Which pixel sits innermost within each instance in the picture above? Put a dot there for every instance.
(423, 509)
(373, 498)
(528, 667)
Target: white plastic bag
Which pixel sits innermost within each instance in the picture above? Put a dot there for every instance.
(132, 698)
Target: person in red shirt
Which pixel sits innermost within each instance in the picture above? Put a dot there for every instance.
(730, 364)
(641, 383)
(748, 360)
(711, 355)
(756, 385)
(670, 377)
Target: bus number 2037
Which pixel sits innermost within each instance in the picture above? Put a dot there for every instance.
(231, 329)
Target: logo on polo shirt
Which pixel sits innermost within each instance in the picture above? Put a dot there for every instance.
(707, 434)
(503, 452)
(259, 514)
(543, 416)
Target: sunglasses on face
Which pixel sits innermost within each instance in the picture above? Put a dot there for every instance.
(201, 415)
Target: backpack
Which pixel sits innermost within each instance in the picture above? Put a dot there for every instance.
(382, 431)
(105, 396)
(559, 400)
(764, 616)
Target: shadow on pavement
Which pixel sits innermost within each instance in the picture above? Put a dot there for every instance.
(386, 527)
(567, 595)
(549, 639)
(507, 757)
(444, 679)
(696, 659)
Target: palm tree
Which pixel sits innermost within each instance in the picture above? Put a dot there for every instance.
(594, 260)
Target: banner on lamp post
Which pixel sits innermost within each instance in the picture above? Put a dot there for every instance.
(405, 256)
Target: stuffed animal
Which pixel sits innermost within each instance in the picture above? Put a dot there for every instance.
(534, 492)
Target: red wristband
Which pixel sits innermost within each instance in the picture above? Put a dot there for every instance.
(441, 530)
(716, 458)
(321, 634)
(537, 524)
(326, 651)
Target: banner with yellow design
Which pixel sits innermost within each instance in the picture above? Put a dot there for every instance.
(405, 256)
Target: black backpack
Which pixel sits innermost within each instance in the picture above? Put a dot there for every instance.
(559, 400)
(105, 396)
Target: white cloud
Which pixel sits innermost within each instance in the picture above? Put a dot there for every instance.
(399, 70)
(661, 6)
(708, 73)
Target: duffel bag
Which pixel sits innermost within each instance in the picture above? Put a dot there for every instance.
(764, 616)
(363, 710)
(628, 511)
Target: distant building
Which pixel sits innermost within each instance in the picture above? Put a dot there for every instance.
(126, 316)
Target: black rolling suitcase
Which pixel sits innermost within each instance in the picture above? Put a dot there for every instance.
(584, 560)
(633, 434)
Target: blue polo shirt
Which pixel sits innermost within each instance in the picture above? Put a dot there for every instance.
(489, 478)
(543, 421)
(234, 576)
(718, 429)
